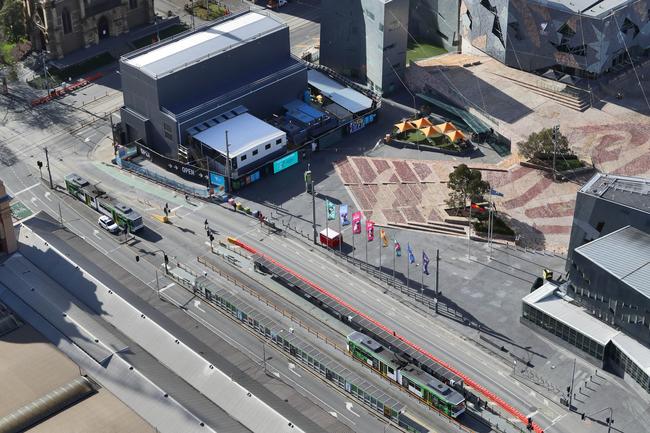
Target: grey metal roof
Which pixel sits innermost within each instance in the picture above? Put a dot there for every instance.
(633, 192)
(625, 254)
(548, 302)
(637, 352)
(591, 8)
(347, 98)
(206, 42)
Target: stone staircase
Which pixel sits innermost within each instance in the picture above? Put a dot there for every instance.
(564, 95)
(438, 227)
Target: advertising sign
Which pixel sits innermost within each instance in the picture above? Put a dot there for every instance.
(286, 162)
(218, 181)
(361, 122)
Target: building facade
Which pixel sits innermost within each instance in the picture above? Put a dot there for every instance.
(435, 22)
(366, 40)
(582, 37)
(65, 26)
(179, 85)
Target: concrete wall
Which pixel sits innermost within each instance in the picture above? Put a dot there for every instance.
(362, 39)
(435, 22)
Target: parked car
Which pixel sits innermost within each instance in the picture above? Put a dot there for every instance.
(108, 224)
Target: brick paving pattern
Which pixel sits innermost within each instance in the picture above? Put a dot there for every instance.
(365, 171)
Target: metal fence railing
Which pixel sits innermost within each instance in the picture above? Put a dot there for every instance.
(159, 178)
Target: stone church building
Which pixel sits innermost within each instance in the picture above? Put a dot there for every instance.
(64, 26)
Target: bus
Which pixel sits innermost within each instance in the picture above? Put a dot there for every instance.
(425, 387)
(123, 215)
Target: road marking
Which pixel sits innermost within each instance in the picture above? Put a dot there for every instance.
(292, 367)
(167, 287)
(196, 305)
(33, 201)
(26, 189)
(276, 374)
(176, 208)
(532, 414)
(87, 139)
(334, 414)
(349, 407)
(96, 234)
(47, 195)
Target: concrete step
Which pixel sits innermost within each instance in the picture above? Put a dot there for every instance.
(439, 226)
(424, 228)
(571, 101)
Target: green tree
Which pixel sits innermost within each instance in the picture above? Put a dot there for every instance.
(12, 20)
(465, 183)
(540, 144)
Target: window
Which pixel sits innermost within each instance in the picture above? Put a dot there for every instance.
(242, 158)
(278, 141)
(133, 4)
(67, 21)
(268, 146)
(255, 152)
(168, 131)
(381, 27)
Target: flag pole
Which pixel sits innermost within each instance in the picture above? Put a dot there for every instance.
(469, 227)
(352, 241)
(408, 270)
(327, 228)
(394, 256)
(366, 240)
(340, 234)
(380, 243)
(422, 281)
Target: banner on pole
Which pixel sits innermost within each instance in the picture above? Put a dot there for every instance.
(410, 251)
(331, 210)
(370, 228)
(495, 192)
(398, 249)
(356, 223)
(425, 263)
(384, 237)
(343, 213)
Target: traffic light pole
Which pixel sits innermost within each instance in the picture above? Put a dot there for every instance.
(573, 375)
(49, 172)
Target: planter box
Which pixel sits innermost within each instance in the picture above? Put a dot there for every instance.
(432, 148)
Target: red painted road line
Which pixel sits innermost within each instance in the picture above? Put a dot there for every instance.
(488, 394)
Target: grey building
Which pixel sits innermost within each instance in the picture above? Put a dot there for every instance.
(435, 22)
(366, 40)
(611, 277)
(607, 203)
(581, 37)
(190, 81)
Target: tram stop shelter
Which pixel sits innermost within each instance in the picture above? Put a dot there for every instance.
(331, 238)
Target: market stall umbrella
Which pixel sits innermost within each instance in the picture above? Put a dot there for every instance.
(404, 126)
(446, 127)
(456, 135)
(430, 131)
(422, 122)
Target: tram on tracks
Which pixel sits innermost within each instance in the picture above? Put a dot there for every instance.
(425, 387)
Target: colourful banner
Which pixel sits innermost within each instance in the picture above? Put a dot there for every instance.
(370, 229)
(343, 213)
(425, 263)
(398, 249)
(384, 237)
(331, 210)
(356, 223)
(410, 251)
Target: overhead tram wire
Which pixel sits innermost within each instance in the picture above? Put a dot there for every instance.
(645, 97)
(451, 84)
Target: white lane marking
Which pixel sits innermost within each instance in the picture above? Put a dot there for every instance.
(530, 415)
(87, 139)
(349, 407)
(196, 305)
(292, 367)
(47, 195)
(334, 414)
(96, 234)
(33, 201)
(26, 189)
(177, 208)
(167, 287)
(276, 374)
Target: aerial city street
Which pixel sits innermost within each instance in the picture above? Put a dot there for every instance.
(325, 216)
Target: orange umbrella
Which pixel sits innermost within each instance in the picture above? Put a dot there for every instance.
(404, 126)
(455, 135)
(422, 123)
(446, 127)
(430, 131)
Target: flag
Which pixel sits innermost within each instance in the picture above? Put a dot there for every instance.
(410, 251)
(478, 207)
(356, 223)
(343, 213)
(384, 237)
(398, 249)
(370, 228)
(331, 210)
(425, 263)
(495, 192)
